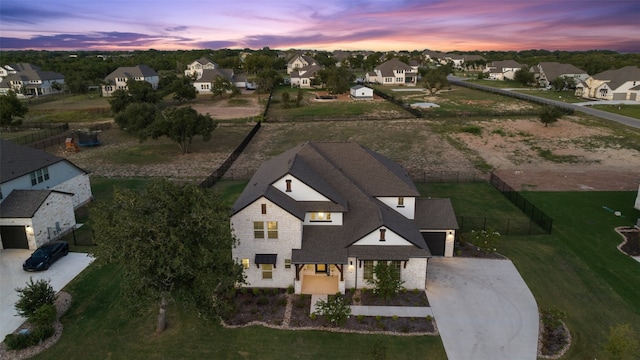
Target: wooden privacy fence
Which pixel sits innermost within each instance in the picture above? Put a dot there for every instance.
(536, 215)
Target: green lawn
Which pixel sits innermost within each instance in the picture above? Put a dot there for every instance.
(626, 110)
(577, 268)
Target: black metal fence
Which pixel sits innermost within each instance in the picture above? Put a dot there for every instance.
(415, 112)
(44, 131)
(505, 226)
(536, 215)
(429, 176)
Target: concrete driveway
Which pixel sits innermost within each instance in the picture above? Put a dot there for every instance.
(483, 309)
(12, 276)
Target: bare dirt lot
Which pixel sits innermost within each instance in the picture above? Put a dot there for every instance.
(570, 154)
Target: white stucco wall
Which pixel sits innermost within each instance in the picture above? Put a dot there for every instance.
(289, 237)
(299, 190)
(409, 208)
(390, 237)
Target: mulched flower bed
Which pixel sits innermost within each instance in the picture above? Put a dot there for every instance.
(405, 297)
(465, 249)
(632, 245)
(271, 312)
(554, 342)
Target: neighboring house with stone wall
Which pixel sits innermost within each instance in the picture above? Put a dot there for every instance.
(38, 195)
(501, 70)
(619, 84)
(320, 216)
(546, 72)
(28, 80)
(393, 72)
(117, 80)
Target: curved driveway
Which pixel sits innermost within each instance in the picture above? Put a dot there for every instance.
(483, 309)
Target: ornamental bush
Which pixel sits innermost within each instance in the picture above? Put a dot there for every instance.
(335, 309)
(33, 296)
(486, 240)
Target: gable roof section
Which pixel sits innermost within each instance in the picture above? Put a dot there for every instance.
(499, 66)
(554, 69)
(23, 204)
(19, 160)
(130, 72)
(209, 75)
(619, 76)
(435, 214)
(387, 67)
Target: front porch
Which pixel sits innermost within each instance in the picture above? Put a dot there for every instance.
(317, 279)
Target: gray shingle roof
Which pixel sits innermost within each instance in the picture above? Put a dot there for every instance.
(18, 160)
(387, 67)
(619, 76)
(24, 203)
(435, 214)
(351, 176)
(130, 72)
(209, 75)
(554, 69)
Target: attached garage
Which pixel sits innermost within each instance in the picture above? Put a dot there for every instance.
(14, 237)
(620, 96)
(436, 242)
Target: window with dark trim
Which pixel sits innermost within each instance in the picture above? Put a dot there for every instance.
(382, 232)
(288, 182)
(396, 265)
(263, 208)
(258, 229)
(287, 263)
(267, 271)
(272, 229)
(320, 216)
(367, 274)
(400, 201)
(321, 268)
(38, 176)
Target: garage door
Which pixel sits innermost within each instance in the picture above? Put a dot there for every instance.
(14, 237)
(436, 242)
(619, 96)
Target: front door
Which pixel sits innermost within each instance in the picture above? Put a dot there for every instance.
(321, 268)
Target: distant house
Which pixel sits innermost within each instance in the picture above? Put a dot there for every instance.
(29, 80)
(393, 72)
(204, 83)
(546, 72)
(360, 92)
(196, 68)
(304, 77)
(500, 70)
(300, 61)
(462, 61)
(321, 215)
(38, 194)
(117, 80)
(619, 84)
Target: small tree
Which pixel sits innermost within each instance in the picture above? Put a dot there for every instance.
(181, 125)
(335, 309)
(299, 98)
(386, 280)
(550, 114)
(183, 90)
(33, 296)
(622, 343)
(11, 109)
(434, 80)
(559, 83)
(486, 240)
(285, 99)
(524, 76)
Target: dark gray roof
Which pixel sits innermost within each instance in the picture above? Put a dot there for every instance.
(24, 203)
(351, 176)
(18, 160)
(387, 67)
(619, 76)
(435, 214)
(205, 61)
(391, 252)
(552, 70)
(130, 72)
(209, 75)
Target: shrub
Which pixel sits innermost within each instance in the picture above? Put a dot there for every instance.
(33, 296)
(313, 316)
(472, 129)
(262, 300)
(429, 318)
(360, 318)
(356, 299)
(40, 333)
(290, 289)
(17, 341)
(395, 317)
(622, 342)
(486, 240)
(255, 291)
(552, 317)
(335, 309)
(386, 281)
(44, 316)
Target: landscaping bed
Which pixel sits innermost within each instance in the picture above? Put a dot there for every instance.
(631, 245)
(268, 307)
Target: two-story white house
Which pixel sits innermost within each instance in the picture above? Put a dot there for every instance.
(304, 77)
(619, 84)
(29, 80)
(117, 80)
(393, 72)
(196, 68)
(500, 70)
(320, 216)
(38, 195)
(299, 61)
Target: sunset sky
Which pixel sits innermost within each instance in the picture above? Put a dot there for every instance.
(442, 25)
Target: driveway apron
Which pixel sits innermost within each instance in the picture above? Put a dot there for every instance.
(483, 309)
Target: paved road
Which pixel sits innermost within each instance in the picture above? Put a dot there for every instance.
(483, 308)
(12, 276)
(581, 107)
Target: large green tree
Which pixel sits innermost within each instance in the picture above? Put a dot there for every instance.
(434, 80)
(11, 110)
(550, 114)
(524, 76)
(168, 239)
(137, 117)
(183, 89)
(337, 80)
(182, 125)
(220, 86)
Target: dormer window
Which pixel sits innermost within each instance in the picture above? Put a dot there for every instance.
(320, 216)
(400, 201)
(382, 232)
(288, 182)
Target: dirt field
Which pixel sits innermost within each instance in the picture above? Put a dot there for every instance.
(566, 155)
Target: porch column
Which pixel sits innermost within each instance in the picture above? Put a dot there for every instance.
(298, 269)
(340, 268)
